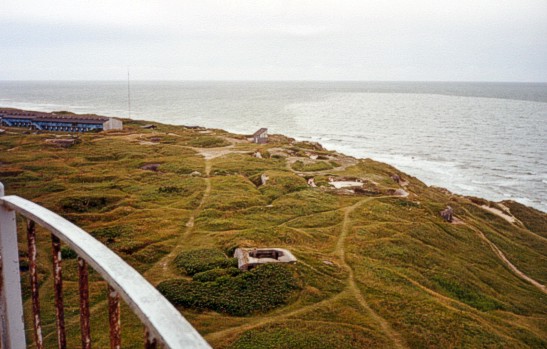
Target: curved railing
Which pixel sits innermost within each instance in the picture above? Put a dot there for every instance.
(164, 324)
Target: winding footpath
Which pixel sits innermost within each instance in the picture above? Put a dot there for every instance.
(351, 289)
(340, 251)
(506, 261)
(161, 269)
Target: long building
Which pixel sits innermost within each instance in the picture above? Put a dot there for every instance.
(58, 122)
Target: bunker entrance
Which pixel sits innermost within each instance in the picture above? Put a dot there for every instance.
(273, 254)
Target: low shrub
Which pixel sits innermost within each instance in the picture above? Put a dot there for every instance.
(213, 274)
(80, 204)
(68, 253)
(91, 179)
(259, 290)
(110, 234)
(169, 189)
(195, 261)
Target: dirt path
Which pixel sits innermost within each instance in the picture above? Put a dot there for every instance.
(504, 259)
(340, 251)
(345, 162)
(230, 334)
(449, 302)
(161, 270)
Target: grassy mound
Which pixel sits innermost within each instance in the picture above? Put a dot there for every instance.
(208, 142)
(280, 183)
(315, 166)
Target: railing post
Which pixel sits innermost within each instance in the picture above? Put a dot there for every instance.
(11, 303)
(34, 287)
(58, 284)
(149, 341)
(84, 304)
(114, 318)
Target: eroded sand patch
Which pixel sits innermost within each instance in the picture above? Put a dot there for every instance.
(500, 213)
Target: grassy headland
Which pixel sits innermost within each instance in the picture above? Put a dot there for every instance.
(374, 269)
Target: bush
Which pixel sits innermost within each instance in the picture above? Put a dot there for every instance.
(213, 274)
(110, 234)
(170, 189)
(196, 261)
(68, 253)
(259, 290)
(80, 204)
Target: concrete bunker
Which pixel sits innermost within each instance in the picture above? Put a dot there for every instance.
(448, 214)
(248, 258)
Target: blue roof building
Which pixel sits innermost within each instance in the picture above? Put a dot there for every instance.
(58, 122)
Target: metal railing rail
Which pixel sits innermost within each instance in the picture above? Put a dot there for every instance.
(164, 325)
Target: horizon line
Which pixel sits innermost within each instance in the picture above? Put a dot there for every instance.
(270, 80)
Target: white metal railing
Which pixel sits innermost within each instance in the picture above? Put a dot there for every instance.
(163, 323)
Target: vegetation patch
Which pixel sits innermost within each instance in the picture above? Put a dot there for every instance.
(79, 204)
(259, 290)
(68, 253)
(110, 234)
(208, 142)
(170, 189)
(533, 219)
(309, 336)
(281, 183)
(245, 165)
(467, 295)
(91, 179)
(312, 167)
(195, 261)
(214, 274)
(392, 244)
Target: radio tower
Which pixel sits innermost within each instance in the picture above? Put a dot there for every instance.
(128, 96)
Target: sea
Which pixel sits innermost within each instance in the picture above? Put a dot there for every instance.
(480, 139)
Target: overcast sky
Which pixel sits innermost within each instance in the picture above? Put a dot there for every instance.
(460, 40)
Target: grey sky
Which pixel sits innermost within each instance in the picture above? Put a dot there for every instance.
(464, 40)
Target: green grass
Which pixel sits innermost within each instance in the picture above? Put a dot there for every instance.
(437, 285)
(533, 219)
(314, 166)
(208, 142)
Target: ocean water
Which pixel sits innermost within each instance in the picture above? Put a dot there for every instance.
(480, 139)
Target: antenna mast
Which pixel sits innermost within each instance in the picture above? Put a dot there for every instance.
(128, 95)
